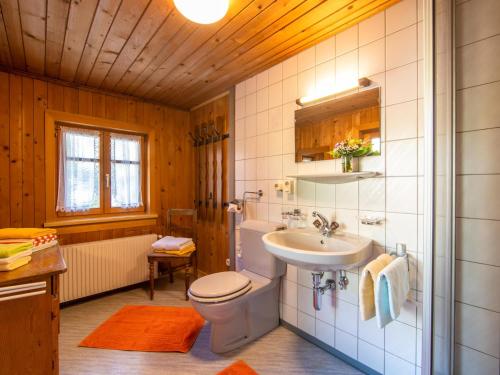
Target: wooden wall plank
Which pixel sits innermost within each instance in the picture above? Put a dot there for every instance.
(81, 14)
(16, 150)
(22, 153)
(5, 58)
(28, 161)
(4, 151)
(12, 21)
(128, 16)
(57, 14)
(104, 17)
(40, 104)
(33, 18)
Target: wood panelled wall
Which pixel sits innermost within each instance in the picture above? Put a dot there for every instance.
(23, 101)
(211, 165)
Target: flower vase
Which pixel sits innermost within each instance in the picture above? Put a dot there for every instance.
(349, 164)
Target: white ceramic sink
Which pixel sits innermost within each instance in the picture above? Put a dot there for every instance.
(308, 249)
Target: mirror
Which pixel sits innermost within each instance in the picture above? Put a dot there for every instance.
(320, 126)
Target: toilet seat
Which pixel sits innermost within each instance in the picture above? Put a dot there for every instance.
(219, 287)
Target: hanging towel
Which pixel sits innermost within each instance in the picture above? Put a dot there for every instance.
(10, 249)
(16, 264)
(29, 233)
(367, 285)
(171, 243)
(391, 289)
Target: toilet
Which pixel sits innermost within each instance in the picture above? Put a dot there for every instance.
(242, 306)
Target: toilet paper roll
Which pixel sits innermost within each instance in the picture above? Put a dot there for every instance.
(233, 208)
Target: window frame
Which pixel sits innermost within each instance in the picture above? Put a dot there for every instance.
(54, 119)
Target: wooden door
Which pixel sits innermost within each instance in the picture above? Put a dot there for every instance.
(211, 123)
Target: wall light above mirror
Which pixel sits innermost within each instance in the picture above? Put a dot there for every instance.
(324, 122)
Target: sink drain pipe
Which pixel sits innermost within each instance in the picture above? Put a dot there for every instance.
(319, 290)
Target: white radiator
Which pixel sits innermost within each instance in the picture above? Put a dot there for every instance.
(96, 267)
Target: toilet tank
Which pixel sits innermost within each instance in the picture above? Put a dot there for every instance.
(256, 258)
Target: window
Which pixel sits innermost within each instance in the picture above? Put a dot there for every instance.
(99, 171)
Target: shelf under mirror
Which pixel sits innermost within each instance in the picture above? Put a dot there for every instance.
(335, 178)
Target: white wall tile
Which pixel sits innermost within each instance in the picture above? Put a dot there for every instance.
(240, 90)
(401, 194)
(275, 74)
(289, 115)
(470, 161)
(327, 312)
(401, 84)
(290, 315)
(477, 241)
(275, 94)
(325, 76)
(401, 228)
(347, 40)
(372, 29)
(400, 340)
(306, 59)
(325, 333)
(275, 145)
(325, 195)
(251, 148)
(289, 293)
(477, 107)
(290, 89)
(290, 67)
(239, 170)
(401, 158)
(251, 104)
(305, 298)
(262, 122)
(250, 169)
(477, 196)
(477, 328)
(401, 121)
(372, 194)
(289, 141)
(251, 126)
(478, 19)
(262, 99)
(306, 323)
(402, 47)
(372, 58)
(346, 343)
(371, 356)
(275, 119)
(344, 314)
(369, 332)
(469, 361)
(346, 67)
(325, 50)
(346, 195)
(307, 82)
(397, 366)
(401, 15)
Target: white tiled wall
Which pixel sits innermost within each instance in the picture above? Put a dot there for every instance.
(477, 305)
(385, 48)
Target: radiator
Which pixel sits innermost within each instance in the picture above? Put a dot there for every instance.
(100, 266)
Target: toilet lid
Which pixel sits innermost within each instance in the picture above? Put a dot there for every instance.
(222, 298)
(219, 284)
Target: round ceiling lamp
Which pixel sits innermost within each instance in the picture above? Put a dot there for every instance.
(203, 11)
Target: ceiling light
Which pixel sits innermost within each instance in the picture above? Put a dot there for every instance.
(203, 11)
(325, 93)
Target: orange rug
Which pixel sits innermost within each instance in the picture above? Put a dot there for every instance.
(148, 329)
(238, 368)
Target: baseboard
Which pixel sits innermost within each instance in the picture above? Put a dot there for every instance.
(103, 294)
(327, 348)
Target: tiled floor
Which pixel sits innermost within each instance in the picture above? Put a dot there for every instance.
(279, 352)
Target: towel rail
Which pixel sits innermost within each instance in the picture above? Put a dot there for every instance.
(401, 252)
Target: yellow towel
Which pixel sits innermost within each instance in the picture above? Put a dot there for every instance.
(31, 233)
(10, 249)
(184, 251)
(15, 264)
(367, 285)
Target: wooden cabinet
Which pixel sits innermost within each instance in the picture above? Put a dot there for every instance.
(29, 316)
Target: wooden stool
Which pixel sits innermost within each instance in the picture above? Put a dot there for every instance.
(174, 263)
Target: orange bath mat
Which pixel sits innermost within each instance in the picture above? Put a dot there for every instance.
(148, 329)
(238, 368)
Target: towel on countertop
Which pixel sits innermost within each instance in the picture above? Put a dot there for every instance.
(367, 285)
(183, 251)
(10, 249)
(172, 243)
(44, 246)
(391, 290)
(16, 264)
(31, 233)
(15, 257)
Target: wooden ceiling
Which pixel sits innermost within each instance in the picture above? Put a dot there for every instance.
(145, 48)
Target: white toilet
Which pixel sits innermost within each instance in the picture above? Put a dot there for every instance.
(242, 306)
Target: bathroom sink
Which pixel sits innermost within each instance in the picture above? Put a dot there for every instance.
(308, 249)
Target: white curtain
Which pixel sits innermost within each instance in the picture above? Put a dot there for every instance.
(79, 154)
(126, 171)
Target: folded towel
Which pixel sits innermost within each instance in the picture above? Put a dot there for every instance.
(185, 251)
(171, 243)
(391, 290)
(31, 233)
(44, 246)
(16, 264)
(13, 258)
(367, 285)
(10, 249)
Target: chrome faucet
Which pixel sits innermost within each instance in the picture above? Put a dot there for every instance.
(322, 224)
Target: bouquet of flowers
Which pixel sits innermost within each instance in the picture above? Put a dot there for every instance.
(349, 148)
